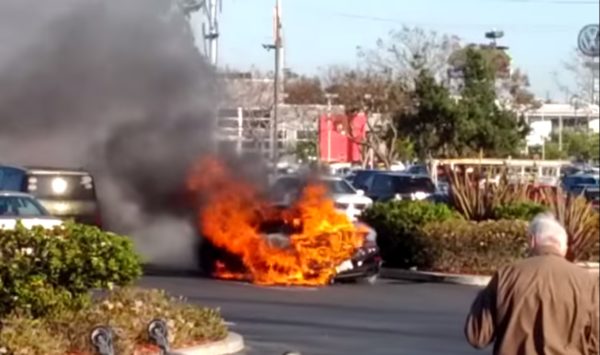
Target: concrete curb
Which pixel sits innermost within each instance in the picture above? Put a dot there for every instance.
(457, 279)
(233, 343)
(426, 276)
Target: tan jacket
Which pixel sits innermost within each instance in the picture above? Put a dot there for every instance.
(543, 305)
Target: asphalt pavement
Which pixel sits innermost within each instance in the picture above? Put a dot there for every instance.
(390, 317)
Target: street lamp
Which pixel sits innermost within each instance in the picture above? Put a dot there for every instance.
(494, 35)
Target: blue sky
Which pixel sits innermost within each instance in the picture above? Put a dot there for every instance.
(319, 33)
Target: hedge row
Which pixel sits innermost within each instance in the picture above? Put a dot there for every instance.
(434, 237)
(469, 247)
(397, 224)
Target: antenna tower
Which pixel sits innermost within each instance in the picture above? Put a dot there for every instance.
(209, 11)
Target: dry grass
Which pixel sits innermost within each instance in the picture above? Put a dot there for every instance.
(128, 311)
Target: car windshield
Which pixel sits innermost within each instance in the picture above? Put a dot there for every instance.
(338, 187)
(20, 206)
(69, 187)
(410, 184)
(361, 177)
(592, 194)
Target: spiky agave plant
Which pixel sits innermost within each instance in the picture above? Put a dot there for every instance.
(476, 197)
(580, 220)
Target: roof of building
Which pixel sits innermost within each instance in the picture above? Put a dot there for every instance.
(565, 110)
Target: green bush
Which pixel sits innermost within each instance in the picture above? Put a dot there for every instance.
(520, 210)
(43, 271)
(459, 246)
(127, 311)
(396, 223)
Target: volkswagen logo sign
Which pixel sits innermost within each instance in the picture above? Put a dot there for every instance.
(588, 41)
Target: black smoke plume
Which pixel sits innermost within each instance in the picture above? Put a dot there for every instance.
(117, 87)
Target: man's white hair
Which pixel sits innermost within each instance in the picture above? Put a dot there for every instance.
(547, 231)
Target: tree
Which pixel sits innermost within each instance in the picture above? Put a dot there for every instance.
(302, 90)
(580, 77)
(491, 128)
(441, 125)
(409, 50)
(378, 96)
(432, 123)
(306, 150)
(511, 85)
(581, 146)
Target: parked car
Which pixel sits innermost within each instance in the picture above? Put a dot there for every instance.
(18, 206)
(385, 186)
(346, 198)
(360, 177)
(571, 181)
(64, 193)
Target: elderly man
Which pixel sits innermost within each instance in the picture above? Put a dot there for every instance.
(543, 305)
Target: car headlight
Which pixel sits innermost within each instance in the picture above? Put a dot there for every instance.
(59, 185)
(420, 195)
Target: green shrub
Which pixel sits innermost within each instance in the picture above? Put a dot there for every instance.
(396, 223)
(127, 311)
(43, 271)
(459, 246)
(519, 210)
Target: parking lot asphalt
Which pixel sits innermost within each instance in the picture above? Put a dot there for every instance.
(389, 317)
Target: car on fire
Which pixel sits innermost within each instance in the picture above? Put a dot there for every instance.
(64, 193)
(363, 266)
(18, 207)
(346, 198)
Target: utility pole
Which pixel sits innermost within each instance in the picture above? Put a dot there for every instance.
(209, 9)
(276, 46)
(213, 30)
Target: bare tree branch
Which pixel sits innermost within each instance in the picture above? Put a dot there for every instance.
(410, 49)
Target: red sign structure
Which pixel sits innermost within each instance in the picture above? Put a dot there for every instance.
(339, 136)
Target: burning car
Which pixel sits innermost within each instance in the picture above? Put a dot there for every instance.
(307, 243)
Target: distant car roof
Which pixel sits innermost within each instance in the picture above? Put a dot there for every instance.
(47, 170)
(318, 177)
(15, 194)
(403, 174)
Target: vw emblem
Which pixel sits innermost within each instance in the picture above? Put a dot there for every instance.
(589, 41)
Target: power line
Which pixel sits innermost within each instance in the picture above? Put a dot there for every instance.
(557, 2)
(542, 27)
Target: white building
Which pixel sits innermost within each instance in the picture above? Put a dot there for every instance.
(245, 117)
(565, 116)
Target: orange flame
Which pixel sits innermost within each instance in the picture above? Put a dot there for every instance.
(231, 215)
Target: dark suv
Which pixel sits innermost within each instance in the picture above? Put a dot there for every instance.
(65, 193)
(385, 186)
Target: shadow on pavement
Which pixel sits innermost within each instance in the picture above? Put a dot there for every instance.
(171, 271)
